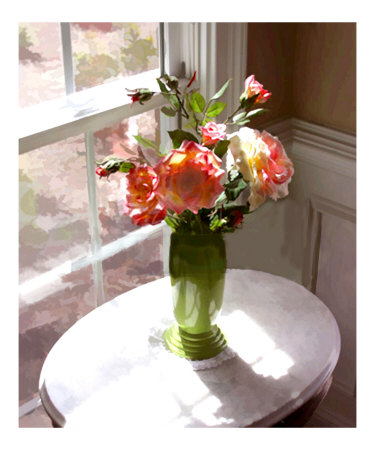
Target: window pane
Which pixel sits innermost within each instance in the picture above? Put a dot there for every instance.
(103, 52)
(41, 73)
(110, 141)
(143, 262)
(53, 211)
(133, 267)
(54, 229)
(44, 316)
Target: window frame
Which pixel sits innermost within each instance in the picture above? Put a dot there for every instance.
(185, 47)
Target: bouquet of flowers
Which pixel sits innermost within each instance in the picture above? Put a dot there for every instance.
(186, 187)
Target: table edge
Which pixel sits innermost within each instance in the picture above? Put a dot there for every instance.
(53, 413)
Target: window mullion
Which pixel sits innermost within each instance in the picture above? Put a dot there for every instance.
(67, 56)
(94, 221)
(161, 48)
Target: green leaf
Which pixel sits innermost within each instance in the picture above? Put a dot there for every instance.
(216, 222)
(172, 81)
(235, 189)
(168, 111)
(221, 199)
(173, 100)
(144, 91)
(191, 122)
(126, 166)
(215, 109)
(244, 117)
(111, 165)
(162, 86)
(243, 122)
(256, 112)
(146, 142)
(170, 96)
(245, 209)
(169, 222)
(239, 116)
(221, 148)
(221, 91)
(178, 136)
(233, 174)
(197, 102)
(110, 158)
(234, 186)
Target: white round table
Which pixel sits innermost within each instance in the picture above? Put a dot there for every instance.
(112, 369)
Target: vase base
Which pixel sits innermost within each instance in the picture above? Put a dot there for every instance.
(195, 346)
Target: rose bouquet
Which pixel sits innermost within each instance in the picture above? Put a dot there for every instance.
(190, 190)
(188, 187)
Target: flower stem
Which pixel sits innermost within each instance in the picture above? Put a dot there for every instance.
(232, 115)
(183, 110)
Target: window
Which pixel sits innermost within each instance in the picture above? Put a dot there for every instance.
(72, 234)
(76, 248)
(64, 58)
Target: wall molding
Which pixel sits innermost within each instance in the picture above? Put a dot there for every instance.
(283, 129)
(317, 145)
(316, 207)
(327, 206)
(323, 147)
(325, 138)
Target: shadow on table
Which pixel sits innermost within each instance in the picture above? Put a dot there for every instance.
(236, 387)
(241, 406)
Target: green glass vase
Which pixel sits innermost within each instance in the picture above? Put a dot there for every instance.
(197, 266)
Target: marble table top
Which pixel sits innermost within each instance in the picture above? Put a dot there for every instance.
(112, 369)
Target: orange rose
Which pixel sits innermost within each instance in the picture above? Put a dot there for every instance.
(189, 178)
(142, 203)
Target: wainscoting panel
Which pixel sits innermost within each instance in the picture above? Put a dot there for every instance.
(330, 272)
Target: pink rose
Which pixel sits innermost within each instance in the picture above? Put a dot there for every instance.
(212, 133)
(280, 167)
(189, 178)
(253, 87)
(141, 202)
(263, 163)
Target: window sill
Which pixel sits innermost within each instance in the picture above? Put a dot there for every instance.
(88, 110)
